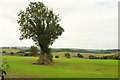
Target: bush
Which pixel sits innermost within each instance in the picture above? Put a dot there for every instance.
(26, 54)
(110, 57)
(4, 68)
(12, 53)
(93, 57)
(116, 57)
(80, 56)
(67, 55)
(56, 56)
(3, 51)
(105, 57)
(20, 52)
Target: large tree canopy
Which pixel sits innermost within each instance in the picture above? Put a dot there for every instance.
(40, 24)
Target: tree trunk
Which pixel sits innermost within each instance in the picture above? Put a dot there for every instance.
(45, 56)
(44, 59)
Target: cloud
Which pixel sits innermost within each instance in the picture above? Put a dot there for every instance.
(87, 23)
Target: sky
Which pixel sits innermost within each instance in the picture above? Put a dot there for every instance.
(90, 24)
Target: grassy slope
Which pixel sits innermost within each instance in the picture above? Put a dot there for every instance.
(62, 68)
(11, 50)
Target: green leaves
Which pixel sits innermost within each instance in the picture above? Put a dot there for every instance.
(40, 24)
(4, 72)
(4, 68)
(33, 50)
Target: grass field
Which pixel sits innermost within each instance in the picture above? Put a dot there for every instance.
(22, 67)
(11, 50)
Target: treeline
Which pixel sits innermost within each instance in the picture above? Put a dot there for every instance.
(22, 48)
(115, 57)
(68, 55)
(85, 50)
(70, 50)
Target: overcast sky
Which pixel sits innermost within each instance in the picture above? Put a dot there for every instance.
(87, 23)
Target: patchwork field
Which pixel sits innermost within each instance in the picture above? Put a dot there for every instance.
(22, 67)
(86, 55)
(11, 50)
(62, 54)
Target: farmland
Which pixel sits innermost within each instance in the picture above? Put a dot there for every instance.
(22, 67)
(86, 55)
(62, 67)
(62, 54)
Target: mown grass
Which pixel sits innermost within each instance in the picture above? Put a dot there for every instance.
(22, 67)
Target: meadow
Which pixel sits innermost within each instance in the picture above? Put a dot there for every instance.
(22, 67)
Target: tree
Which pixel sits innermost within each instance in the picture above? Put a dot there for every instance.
(12, 53)
(80, 56)
(3, 51)
(33, 50)
(56, 56)
(42, 26)
(93, 57)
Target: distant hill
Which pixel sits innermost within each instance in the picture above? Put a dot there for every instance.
(85, 50)
(71, 50)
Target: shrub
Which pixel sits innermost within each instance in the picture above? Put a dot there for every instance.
(105, 57)
(26, 54)
(116, 57)
(93, 57)
(67, 55)
(4, 68)
(80, 56)
(3, 51)
(110, 57)
(12, 53)
(21, 51)
(56, 56)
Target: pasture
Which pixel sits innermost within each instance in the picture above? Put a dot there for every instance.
(22, 67)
